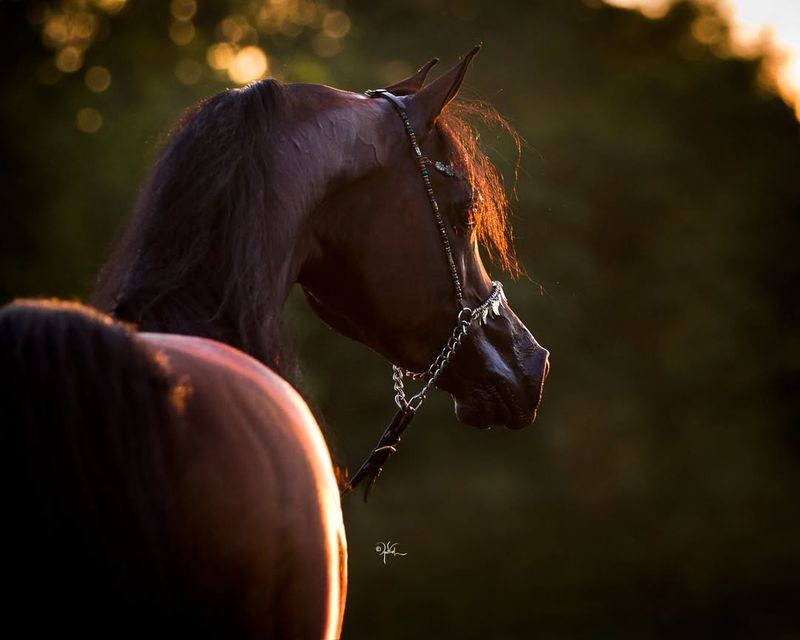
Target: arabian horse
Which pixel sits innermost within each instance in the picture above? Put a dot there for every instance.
(188, 475)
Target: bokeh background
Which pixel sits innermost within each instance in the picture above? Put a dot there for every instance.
(657, 213)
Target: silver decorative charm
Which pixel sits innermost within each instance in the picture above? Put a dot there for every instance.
(492, 307)
(446, 169)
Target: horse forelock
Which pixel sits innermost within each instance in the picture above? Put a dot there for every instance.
(491, 214)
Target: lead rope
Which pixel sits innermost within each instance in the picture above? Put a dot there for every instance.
(407, 408)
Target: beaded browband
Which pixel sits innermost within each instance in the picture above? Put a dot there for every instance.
(492, 306)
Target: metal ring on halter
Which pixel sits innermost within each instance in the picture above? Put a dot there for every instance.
(490, 307)
(416, 401)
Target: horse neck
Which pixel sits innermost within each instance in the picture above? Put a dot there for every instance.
(312, 155)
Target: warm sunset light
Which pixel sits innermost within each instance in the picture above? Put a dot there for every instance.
(181, 32)
(236, 48)
(771, 27)
(336, 24)
(243, 65)
(89, 120)
(236, 28)
(220, 56)
(183, 10)
(69, 59)
(98, 79)
(248, 65)
(188, 71)
(110, 6)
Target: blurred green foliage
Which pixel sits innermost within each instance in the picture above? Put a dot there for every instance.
(657, 212)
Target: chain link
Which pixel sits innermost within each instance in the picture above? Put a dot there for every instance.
(464, 321)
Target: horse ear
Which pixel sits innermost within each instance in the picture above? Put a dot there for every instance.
(413, 83)
(426, 105)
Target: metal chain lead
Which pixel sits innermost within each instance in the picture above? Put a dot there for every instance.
(491, 307)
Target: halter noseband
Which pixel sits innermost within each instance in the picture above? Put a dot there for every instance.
(386, 446)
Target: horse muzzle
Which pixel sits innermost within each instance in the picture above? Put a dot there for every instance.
(498, 378)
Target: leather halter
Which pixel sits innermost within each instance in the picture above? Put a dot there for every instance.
(422, 162)
(387, 445)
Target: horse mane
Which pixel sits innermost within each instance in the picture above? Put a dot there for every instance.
(89, 414)
(491, 213)
(205, 250)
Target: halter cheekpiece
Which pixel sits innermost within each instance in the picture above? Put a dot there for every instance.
(492, 306)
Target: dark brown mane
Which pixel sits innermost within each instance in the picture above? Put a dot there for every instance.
(89, 417)
(205, 251)
(492, 221)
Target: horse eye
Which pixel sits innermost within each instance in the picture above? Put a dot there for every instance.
(465, 218)
(463, 212)
(469, 214)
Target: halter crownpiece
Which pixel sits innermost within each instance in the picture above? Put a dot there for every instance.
(491, 307)
(422, 163)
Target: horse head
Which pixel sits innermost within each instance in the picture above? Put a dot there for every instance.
(383, 267)
(261, 187)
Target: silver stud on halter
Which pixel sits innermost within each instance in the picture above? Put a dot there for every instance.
(446, 169)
